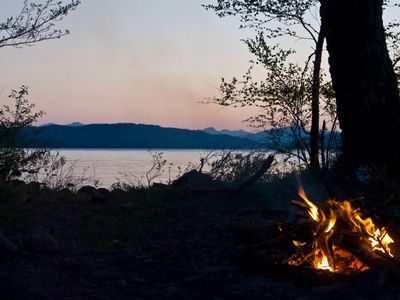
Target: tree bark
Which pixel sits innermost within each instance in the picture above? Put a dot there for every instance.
(314, 134)
(368, 103)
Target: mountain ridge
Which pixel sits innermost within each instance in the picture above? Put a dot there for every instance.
(131, 135)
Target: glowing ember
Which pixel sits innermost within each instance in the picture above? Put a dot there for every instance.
(329, 230)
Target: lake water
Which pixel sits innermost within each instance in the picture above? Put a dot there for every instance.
(127, 165)
(112, 165)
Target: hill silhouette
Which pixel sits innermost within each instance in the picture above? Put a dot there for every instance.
(129, 135)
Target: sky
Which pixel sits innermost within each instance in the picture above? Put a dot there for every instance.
(138, 61)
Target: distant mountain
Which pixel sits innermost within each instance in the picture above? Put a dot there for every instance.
(237, 133)
(128, 135)
(75, 124)
(47, 124)
(72, 124)
(260, 137)
(264, 138)
(211, 130)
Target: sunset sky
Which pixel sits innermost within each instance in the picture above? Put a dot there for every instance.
(139, 61)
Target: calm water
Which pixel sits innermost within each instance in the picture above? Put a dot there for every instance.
(109, 166)
(112, 165)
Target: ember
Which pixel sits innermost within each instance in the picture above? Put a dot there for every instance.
(333, 225)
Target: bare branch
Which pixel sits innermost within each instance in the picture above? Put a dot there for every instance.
(35, 23)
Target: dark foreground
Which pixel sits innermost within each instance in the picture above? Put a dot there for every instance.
(161, 243)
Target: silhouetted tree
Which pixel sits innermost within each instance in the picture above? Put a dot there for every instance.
(34, 23)
(274, 19)
(367, 95)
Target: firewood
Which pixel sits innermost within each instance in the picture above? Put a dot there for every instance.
(280, 238)
(373, 259)
(299, 204)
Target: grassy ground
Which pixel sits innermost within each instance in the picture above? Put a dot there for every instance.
(142, 243)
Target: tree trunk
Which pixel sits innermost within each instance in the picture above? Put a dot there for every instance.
(368, 103)
(314, 135)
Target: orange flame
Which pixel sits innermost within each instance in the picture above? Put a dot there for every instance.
(324, 251)
(324, 264)
(313, 210)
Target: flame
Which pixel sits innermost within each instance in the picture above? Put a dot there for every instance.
(324, 264)
(298, 244)
(341, 217)
(332, 222)
(313, 210)
(382, 241)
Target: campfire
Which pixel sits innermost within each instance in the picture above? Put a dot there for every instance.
(336, 242)
(340, 237)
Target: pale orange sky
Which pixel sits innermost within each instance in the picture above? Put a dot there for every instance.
(140, 61)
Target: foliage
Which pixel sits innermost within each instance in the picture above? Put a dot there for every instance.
(283, 97)
(16, 154)
(54, 172)
(300, 87)
(18, 157)
(393, 39)
(34, 23)
(292, 97)
(276, 18)
(157, 169)
(235, 167)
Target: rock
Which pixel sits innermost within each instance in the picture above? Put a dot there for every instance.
(17, 182)
(65, 191)
(127, 206)
(378, 277)
(86, 190)
(137, 280)
(16, 173)
(7, 246)
(105, 274)
(100, 196)
(160, 185)
(40, 241)
(118, 191)
(197, 180)
(122, 282)
(34, 184)
(363, 174)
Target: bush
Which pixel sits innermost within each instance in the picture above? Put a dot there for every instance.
(16, 152)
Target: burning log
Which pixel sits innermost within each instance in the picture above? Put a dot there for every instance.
(335, 242)
(343, 241)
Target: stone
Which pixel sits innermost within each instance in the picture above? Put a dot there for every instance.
(64, 191)
(34, 184)
(118, 191)
(17, 182)
(40, 241)
(16, 173)
(105, 274)
(86, 190)
(100, 196)
(7, 246)
(127, 206)
(196, 180)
